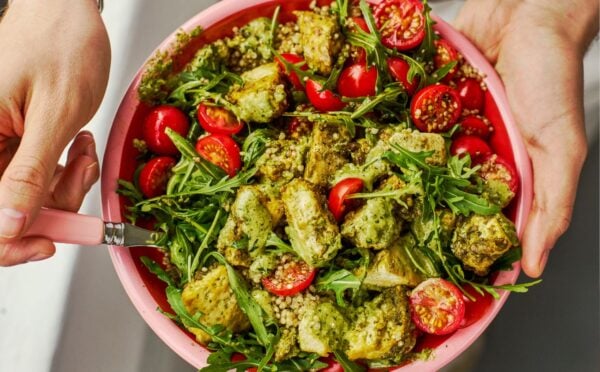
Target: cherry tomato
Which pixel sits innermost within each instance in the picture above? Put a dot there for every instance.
(474, 310)
(155, 175)
(289, 278)
(222, 151)
(339, 193)
(473, 145)
(332, 365)
(435, 108)
(401, 23)
(159, 119)
(471, 94)
(323, 100)
(237, 357)
(357, 80)
(445, 53)
(360, 22)
(399, 71)
(292, 76)
(437, 306)
(218, 120)
(497, 168)
(474, 126)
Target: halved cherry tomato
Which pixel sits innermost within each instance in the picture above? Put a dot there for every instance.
(474, 126)
(357, 80)
(435, 108)
(437, 306)
(218, 120)
(473, 145)
(289, 278)
(338, 195)
(399, 71)
(323, 100)
(292, 76)
(155, 175)
(360, 22)
(237, 357)
(222, 151)
(401, 23)
(445, 53)
(497, 168)
(159, 119)
(474, 310)
(471, 94)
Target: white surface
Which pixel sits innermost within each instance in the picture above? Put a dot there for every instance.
(70, 313)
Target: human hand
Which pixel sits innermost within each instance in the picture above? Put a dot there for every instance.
(537, 48)
(55, 60)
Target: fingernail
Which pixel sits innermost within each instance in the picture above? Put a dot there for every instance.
(543, 260)
(89, 175)
(90, 150)
(11, 223)
(39, 256)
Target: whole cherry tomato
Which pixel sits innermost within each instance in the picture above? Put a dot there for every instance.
(435, 108)
(437, 306)
(399, 70)
(154, 176)
(222, 151)
(477, 148)
(323, 100)
(401, 23)
(357, 80)
(474, 126)
(337, 200)
(160, 118)
(218, 120)
(289, 278)
(292, 76)
(471, 94)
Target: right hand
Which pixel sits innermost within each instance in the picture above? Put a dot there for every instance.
(55, 61)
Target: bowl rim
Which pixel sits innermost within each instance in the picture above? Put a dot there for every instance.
(122, 259)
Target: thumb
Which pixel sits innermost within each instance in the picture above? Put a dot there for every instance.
(25, 182)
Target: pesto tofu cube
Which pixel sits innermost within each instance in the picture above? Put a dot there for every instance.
(321, 38)
(282, 160)
(212, 296)
(392, 267)
(416, 141)
(374, 225)
(312, 231)
(381, 328)
(262, 97)
(327, 153)
(478, 241)
(247, 227)
(321, 328)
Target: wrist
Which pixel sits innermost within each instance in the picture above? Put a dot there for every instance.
(575, 21)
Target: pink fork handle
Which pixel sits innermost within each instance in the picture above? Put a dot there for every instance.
(67, 227)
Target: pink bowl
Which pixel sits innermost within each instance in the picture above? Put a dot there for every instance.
(147, 293)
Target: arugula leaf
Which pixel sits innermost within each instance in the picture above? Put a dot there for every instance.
(426, 50)
(189, 152)
(347, 364)
(155, 269)
(339, 281)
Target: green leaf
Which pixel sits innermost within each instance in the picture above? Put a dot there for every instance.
(347, 364)
(189, 152)
(426, 50)
(339, 281)
(157, 270)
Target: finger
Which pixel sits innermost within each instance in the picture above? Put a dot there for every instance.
(80, 173)
(552, 206)
(25, 182)
(26, 250)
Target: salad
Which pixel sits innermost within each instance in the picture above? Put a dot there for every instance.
(323, 188)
